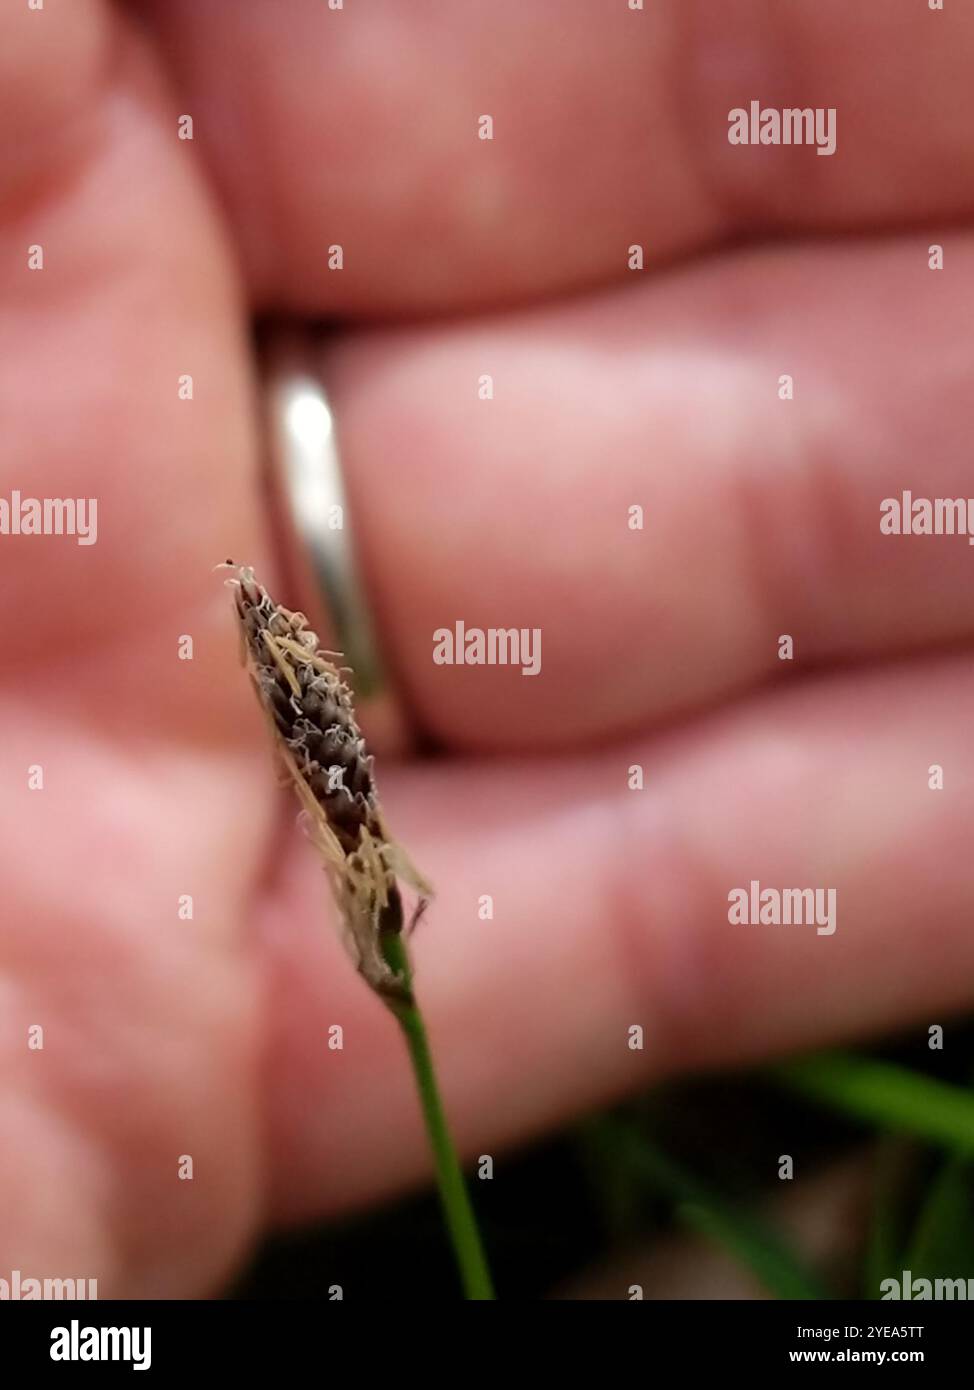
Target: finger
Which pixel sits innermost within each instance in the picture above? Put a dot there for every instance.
(129, 1139)
(760, 515)
(359, 128)
(154, 427)
(610, 910)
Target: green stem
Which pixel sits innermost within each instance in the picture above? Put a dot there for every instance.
(460, 1219)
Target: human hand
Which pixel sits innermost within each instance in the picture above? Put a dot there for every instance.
(166, 1037)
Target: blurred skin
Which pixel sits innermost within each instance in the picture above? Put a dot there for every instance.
(208, 1038)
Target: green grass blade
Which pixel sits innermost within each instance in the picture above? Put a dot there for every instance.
(747, 1238)
(943, 1239)
(883, 1094)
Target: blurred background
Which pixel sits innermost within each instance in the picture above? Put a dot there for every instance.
(678, 1193)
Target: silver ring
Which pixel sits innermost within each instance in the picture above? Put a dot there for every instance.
(316, 530)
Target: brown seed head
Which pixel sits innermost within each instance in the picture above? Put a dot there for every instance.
(310, 709)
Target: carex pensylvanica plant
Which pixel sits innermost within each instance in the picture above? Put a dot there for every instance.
(309, 707)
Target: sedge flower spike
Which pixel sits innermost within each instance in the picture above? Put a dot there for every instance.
(325, 759)
(323, 754)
